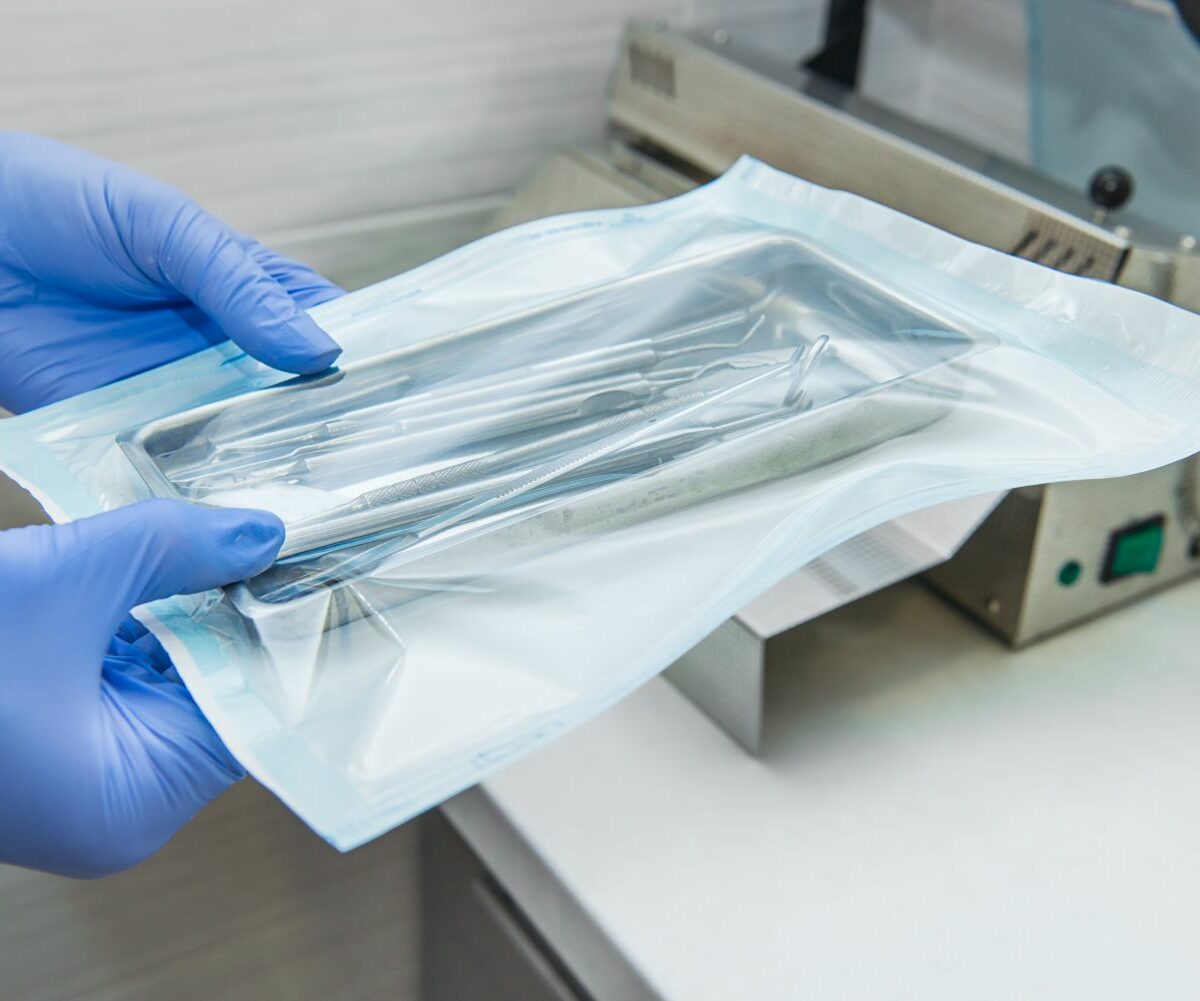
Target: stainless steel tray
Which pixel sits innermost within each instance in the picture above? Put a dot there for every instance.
(890, 365)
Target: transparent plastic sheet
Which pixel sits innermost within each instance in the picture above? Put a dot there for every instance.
(553, 461)
(1115, 82)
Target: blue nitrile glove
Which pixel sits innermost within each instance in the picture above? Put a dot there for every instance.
(105, 273)
(103, 754)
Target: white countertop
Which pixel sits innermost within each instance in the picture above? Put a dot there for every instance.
(934, 816)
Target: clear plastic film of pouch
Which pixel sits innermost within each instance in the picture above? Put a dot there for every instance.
(554, 460)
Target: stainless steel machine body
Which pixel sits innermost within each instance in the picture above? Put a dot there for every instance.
(685, 107)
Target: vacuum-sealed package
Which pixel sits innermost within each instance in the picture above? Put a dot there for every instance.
(551, 462)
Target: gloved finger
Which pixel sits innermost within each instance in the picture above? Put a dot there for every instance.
(135, 640)
(159, 548)
(201, 259)
(308, 287)
(154, 652)
(130, 630)
(158, 714)
(126, 660)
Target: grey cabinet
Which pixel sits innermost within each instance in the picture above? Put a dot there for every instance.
(477, 945)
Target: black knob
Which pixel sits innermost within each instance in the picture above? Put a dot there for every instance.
(1110, 187)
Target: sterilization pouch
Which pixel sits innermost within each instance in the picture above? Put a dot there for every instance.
(552, 461)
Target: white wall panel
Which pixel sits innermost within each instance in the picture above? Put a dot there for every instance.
(279, 115)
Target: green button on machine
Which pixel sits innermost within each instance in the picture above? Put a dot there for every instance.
(1134, 549)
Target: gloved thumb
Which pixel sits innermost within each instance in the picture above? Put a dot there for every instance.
(155, 549)
(202, 259)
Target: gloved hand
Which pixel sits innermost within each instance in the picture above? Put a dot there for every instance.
(103, 754)
(105, 273)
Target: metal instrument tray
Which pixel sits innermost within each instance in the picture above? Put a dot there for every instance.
(400, 439)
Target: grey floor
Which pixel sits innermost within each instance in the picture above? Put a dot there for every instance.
(245, 903)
